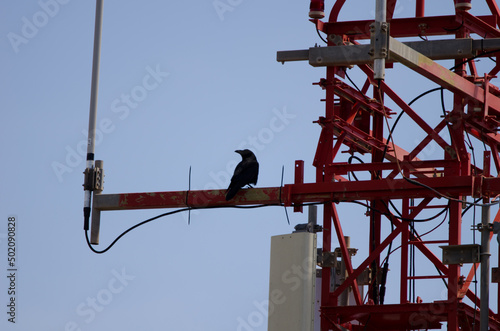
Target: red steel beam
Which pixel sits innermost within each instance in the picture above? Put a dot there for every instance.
(373, 255)
(453, 175)
(420, 8)
(439, 74)
(492, 4)
(346, 257)
(299, 178)
(354, 96)
(394, 189)
(182, 199)
(477, 25)
(463, 290)
(292, 194)
(404, 316)
(407, 109)
(402, 27)
(343, 168)
(334, 13)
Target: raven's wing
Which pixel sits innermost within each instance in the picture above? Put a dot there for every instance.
(234, 186)
(246, 172)
(252, 173)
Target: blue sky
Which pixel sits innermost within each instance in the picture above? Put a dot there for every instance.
(181, 84)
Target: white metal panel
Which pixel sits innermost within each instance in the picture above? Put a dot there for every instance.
(292, 282)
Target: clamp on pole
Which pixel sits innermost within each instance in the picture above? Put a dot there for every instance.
(93, 182)
(379, 39)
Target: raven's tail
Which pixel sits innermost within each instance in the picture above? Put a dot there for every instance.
(231, 192)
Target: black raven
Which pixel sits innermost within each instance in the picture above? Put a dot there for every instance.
(246, 173)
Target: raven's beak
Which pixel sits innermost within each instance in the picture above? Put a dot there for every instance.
(238, 151)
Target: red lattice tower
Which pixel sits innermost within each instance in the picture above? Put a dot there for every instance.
(397, 176)
(357, 120)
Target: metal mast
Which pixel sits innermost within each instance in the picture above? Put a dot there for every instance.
(359, 121)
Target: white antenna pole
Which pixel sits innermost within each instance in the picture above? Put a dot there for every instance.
(88, 184)
(380, 39)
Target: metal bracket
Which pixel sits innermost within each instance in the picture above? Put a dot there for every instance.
(460, 254)
(308, 227)
(352, 251)
(491, 227)
(328, 260)
(379, 47)
(346, 55)
(94, 178)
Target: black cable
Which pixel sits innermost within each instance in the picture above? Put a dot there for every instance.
(400, 114)
(367, 321)
(419, 236)
(443, 108)
(444, 113)
(454, 29)
(317, 30)
(163, 215)
(458, 65)
(385, 268)
(258, 206)
(470, 206)
(377, 175)
(130, 229)
(398, 217)
(425, 93)
(399, 117)
(354, 84)
(471, 147)
(411, 181)
(414, 182)
(395, 209)
(441, 274)
(437, 226)
(350, 162)
(474, 57)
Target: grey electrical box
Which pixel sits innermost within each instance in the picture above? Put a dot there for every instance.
(292, 282)
(459, 254)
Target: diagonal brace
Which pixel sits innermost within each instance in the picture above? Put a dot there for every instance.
(439, 74)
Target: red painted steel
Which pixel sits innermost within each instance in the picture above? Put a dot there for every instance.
(358, 121)
(297, 194)
(299, 179)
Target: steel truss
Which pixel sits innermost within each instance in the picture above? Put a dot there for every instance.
(359, 121)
